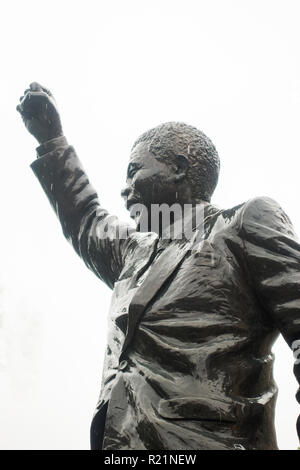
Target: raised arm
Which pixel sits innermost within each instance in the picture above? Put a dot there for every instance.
(98, 238)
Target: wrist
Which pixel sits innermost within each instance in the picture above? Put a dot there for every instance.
(51, 144)
(49, 136)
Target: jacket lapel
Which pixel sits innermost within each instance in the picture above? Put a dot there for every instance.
(160, 270)
(164, 266)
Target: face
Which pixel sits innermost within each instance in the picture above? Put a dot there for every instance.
(149, 181)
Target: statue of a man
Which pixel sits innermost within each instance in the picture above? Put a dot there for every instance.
(193, 319)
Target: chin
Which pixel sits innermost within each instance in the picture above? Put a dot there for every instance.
(142, 222)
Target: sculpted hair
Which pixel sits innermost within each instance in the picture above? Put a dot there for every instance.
(177, 138)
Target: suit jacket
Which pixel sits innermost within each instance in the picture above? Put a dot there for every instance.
(188, 363)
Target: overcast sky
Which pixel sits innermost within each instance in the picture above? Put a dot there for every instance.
(118, 68)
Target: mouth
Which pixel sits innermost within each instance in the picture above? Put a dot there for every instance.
(130, 202)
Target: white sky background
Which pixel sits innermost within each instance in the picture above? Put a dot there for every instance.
(118, 68)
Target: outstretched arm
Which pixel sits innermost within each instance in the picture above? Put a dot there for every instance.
(99, 238)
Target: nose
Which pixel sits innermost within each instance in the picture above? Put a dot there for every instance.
(125, 192)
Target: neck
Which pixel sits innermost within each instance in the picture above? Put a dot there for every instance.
(174, 221)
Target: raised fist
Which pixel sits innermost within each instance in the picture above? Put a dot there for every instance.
(39, 113)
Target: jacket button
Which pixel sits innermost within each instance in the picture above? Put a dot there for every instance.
(123, 365)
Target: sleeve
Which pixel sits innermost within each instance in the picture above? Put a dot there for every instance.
(272, 253)
(99, 238)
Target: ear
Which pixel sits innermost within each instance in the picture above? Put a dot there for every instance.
(181, 163)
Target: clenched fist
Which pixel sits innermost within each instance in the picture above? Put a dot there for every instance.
(39, 113)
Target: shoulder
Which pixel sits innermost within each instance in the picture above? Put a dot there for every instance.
(258, 216)
(261, 206)
(265, 212)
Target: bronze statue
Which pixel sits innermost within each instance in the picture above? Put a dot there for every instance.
(188, 363)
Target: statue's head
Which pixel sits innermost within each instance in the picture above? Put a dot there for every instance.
(172, 163)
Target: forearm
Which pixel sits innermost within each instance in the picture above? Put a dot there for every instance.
(94, 234)
(67, 187)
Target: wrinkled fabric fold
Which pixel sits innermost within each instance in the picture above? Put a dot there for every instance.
(188, 363)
